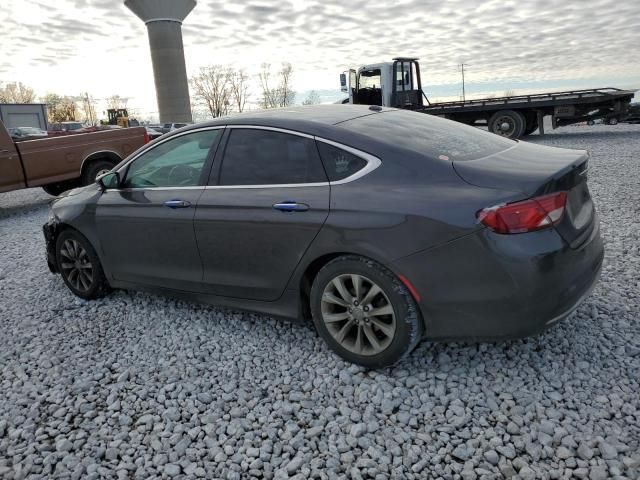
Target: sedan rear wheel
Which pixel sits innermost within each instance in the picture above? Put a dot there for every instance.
(364, 313)
(358, 314)
(79, 266)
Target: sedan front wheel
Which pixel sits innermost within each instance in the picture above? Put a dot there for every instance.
(364, 313)
(79, 266)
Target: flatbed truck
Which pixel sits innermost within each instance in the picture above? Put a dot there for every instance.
(398, 84)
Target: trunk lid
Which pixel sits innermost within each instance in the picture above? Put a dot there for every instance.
(533, 170)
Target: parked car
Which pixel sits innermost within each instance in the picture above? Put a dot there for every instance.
(59, 163)
(69, 128)
(634, 113)
(382, 225)
(153, 133)
(26, 133)
(170, 127)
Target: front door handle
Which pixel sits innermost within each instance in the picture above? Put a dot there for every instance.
(177, 204)
(291, 206)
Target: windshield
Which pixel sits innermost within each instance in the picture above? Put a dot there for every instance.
(429, 135)
(369, 79)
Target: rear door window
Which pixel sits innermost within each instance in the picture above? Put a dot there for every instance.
(266, 157)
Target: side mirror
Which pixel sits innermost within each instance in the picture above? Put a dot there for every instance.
(343, 83)
(109, 180)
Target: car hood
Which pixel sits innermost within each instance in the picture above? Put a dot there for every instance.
(75, 198)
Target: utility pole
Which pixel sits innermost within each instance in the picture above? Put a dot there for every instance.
(462, 65)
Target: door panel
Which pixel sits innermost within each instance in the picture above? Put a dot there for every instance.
(146, 242)
(249, 249)
(146, 225)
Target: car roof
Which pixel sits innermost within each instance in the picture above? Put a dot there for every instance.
(311, 119)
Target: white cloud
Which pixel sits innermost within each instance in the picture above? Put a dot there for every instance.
(69, 46)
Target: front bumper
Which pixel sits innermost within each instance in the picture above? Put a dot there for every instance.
(50, 230)
(490, 286)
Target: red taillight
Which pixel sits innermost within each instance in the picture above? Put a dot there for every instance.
(525, 216)
(146, 137)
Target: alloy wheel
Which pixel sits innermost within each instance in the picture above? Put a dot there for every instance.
(76, 265)
(358, 314)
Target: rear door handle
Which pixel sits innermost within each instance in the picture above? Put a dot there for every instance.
(291, 206)
(177, 204)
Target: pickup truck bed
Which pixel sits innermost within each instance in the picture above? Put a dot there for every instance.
(60, 163)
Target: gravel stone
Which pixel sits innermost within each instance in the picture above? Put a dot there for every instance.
(492, 457)
(144, 386)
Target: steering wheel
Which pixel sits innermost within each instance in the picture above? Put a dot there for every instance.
(181, 175)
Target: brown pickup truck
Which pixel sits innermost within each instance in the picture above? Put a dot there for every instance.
(60, 163)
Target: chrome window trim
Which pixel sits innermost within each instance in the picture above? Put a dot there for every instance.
(195, 130)
(273, 129)
(141, 189)
(277, 185)
(373, 162)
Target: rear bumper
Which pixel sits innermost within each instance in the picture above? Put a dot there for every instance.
(489, 286)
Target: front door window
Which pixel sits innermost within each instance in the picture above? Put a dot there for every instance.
(178, 162)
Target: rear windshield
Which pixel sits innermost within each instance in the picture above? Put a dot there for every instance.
(429, 135)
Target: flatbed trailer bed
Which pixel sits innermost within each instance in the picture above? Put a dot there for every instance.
(565, 107)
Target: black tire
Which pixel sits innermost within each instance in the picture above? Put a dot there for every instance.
(613, 121)
(56, 189)
(590, 123)
(531, 125)
(514, 121)
(408, 325)
(94, 169)
(97, 286)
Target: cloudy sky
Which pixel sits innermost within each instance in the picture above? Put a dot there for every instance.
(70, 46)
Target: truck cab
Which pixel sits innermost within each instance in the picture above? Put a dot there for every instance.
(388, 84)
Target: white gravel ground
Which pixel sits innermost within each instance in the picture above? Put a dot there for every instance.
(140, 386)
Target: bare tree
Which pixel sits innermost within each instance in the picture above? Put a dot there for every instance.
(287, 95)
(312, 99)
(17, 92)
(239, 88)
(117, 102)
(59, 108)
(509, 93)
(269, 95)
(212, 87)
(88, 104)
(280, 96)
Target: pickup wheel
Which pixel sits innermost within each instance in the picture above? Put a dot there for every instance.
(56, 189)
(95, 169)
(507, 123)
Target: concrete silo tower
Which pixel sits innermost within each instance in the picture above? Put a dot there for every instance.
(164, 24)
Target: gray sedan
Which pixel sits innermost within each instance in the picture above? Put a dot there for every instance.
(383, 226)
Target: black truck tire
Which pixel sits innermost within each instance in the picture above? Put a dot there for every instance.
(56, 189)
(94, 169)
(507, 123)
(532, 124)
